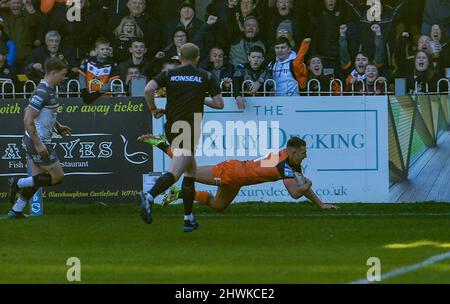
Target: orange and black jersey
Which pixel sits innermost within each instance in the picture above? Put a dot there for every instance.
(98, 73)
(271, 168)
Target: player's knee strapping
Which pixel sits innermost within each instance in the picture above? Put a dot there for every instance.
(162, 184)
(188, 189)
(27, 193)
(42, 180)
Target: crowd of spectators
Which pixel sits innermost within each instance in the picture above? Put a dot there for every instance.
(300, 44)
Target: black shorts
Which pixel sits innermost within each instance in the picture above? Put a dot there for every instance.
(34, 156)
(181, 143)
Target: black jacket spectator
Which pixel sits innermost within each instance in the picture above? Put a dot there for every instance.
(7, 72)
(245, 72)
(20, 25)
(274, 16)
(41, 54)
(192, 26)
(326, 21)
(152, 29)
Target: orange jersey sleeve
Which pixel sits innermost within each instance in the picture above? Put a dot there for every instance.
(47, 5)
(300, 69)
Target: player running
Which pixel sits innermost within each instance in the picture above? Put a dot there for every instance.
(186, 86)
(231, 175)
(40, 121)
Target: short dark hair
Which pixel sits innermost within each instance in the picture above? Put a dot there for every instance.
(180, 29)
(137, 39)
(314, 56)
(296, 142)
(54, 65)
(256, 49)
(364, 53)
(101, 40)
(282, 40)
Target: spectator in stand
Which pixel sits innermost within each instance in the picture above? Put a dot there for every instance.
(172, 51)
(180, 37)
(355, 72)
(253, 73)
(150, 27)
(199, 32)
(97, 72)
(221, 71)
(326, 19)
(239, 10)
(440, 50)
(421, 73)
(373, 83)
(127, 30)
(79, 35)
(286, 67)
(133, 73)
(34, 66)
(7, 72)
(12, 51)
(187, 21)
(167, 10)
(283, 12)
(312, 71)
(244, 42)
(20, 22)
(388, 21)
(436, 46)
(436, 12)
(137, 59)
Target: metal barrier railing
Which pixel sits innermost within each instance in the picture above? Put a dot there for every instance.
(4, 91)
(383, 82)
(29, 86)
(340, 85)
(363, 87)
(231, 88)
(308, 86)
(274, 86)
(73, 88)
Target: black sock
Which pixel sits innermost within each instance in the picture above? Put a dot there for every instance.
(163, 183)
(42, 180)
(188, 194)
(27, 193)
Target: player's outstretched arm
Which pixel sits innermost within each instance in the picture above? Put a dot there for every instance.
(312, 196)
(297, 190)
(215, 102)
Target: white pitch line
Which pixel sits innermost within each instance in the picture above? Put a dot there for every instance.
(324, 214)
(403, 270)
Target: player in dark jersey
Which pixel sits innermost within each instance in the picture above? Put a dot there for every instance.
(40, 121)
(230, 176)
(187, 87)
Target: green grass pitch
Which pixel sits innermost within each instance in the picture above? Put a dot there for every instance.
(249, 243)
